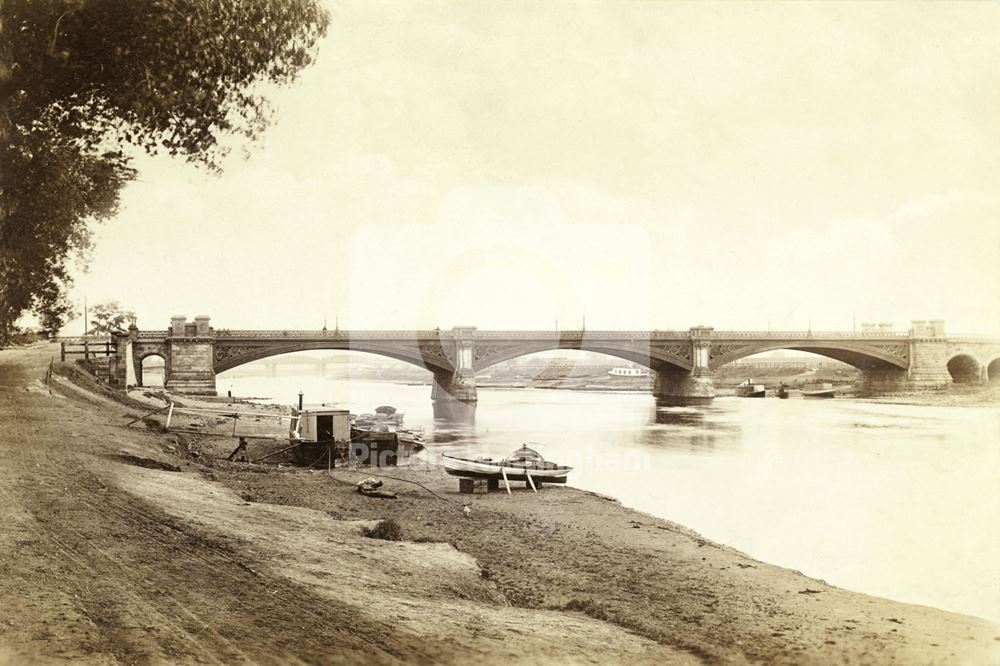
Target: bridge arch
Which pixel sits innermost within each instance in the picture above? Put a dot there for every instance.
(861, 357)
(142, 369)
(964, 369)
(640, 355)
(993, 371)
(409, 356)
(547, 360)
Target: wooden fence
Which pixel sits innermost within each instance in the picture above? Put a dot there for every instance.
(87, 347)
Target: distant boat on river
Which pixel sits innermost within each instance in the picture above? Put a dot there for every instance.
(818, 390)
(750, 390)
(630, 371)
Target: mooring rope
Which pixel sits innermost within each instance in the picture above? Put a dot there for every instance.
(329, 471)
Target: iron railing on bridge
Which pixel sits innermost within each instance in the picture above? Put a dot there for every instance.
(335, 334)
(805, 335)
(593, 335)
(231, 333)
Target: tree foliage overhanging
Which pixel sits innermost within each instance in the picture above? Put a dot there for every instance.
(80, 79)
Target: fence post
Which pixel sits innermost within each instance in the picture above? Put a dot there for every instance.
(86, 350)
(62, 351)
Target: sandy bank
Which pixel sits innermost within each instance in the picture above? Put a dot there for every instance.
(107, 559)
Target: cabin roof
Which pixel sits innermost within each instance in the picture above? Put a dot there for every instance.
(320, 410)
(525, 453)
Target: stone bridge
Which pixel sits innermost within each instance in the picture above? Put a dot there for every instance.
(682, 361)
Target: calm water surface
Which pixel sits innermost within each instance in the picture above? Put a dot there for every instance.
(894, 500)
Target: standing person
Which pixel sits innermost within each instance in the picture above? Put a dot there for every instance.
(240, 452)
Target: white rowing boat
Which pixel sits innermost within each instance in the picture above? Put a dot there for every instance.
(518, 466)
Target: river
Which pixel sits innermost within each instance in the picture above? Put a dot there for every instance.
(899, 501)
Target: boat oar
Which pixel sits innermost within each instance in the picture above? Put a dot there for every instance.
(274, 453)
(530, 482)
(503, 473)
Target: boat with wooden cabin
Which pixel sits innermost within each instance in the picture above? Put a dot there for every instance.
(318, 430)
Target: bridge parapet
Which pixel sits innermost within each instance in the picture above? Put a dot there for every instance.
(805, 335)
(988, 339)
(603, 335)
(282, 333)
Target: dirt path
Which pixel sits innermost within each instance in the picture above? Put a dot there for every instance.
(103, 562)
(108, 556)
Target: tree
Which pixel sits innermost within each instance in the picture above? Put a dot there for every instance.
(109, 317)
(53, 308)
(81, 80)
(44, 211)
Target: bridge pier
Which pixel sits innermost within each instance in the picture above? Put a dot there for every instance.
(191, 348)
(118, 365)
(677, 387)
(454, 386)
(928, 356)
(455, 412)
(885, 380)
(459, 384)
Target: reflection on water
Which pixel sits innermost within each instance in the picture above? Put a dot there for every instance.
(690, 416)
(454, 412)
(895, 500)
(693, 429)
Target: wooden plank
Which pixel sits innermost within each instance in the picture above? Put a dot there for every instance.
(532, 483)
(155, 411)
(202, 433)
(274, 453)
(221, 412)
(503, 473)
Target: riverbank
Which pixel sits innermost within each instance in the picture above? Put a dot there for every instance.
(134, 545)
(955, 395)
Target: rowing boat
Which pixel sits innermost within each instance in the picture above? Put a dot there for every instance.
(518, 466)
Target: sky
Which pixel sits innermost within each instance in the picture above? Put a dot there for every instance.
(641, 165)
